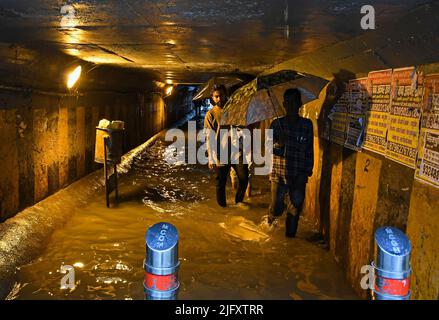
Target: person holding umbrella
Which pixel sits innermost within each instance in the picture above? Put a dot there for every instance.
(292, 154)
(234, 176)
(212, 126)
(293, 161)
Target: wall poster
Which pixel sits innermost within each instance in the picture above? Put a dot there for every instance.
(405, 116)
(427, 169)
(358, 105)
(338, 117)
(379, 89)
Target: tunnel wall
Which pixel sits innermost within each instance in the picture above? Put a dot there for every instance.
(47, 140)
(362, 191)
(351, 193)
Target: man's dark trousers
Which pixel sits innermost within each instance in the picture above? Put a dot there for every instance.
(296, 195)
(221, 180)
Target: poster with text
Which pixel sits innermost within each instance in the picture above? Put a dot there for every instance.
(358, 105)
(355, 131)
(427, 168)
(358, 96)
(405, 116)
(338, 118)
(379, 93)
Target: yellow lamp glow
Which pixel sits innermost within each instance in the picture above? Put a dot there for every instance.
(169, 90)
(73, 77)
(159, 84)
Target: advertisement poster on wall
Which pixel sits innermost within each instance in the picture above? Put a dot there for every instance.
(405, 116)
(379, 93)
(338, 119)
(358, 104)
(427, 169)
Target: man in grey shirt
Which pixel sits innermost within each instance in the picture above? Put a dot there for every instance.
(212, 124)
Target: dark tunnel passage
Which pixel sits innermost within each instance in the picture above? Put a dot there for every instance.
(65, 67)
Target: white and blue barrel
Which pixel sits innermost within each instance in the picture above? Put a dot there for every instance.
(161, 263)
(392, 265)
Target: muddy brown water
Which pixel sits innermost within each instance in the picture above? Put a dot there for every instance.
(225, 253)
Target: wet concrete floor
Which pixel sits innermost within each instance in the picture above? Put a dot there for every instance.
(225, 253)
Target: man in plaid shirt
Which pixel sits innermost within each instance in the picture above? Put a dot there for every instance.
(293, 161)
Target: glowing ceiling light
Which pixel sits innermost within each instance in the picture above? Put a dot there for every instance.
(168, 81)
(169, 90)
(73, 77)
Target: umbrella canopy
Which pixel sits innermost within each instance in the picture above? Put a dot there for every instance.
(228, 81)
(262, 98)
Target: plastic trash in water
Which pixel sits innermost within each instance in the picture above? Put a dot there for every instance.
(104, 123)
(113, 125)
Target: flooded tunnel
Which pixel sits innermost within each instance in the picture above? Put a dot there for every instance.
(367, 72)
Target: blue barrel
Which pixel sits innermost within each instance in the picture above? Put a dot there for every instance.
(392, 265)
(161, 263)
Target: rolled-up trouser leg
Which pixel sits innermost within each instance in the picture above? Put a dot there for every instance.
(277, 205)
(234, 178)
(291, 224)
(221, 180)
(242, 173)
(297, 193)
(296, 199)
(250, 177)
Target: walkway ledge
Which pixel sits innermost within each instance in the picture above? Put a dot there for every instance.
(24, 236)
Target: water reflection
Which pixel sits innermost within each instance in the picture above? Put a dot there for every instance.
(224, 252)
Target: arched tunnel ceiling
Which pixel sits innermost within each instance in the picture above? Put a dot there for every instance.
(189, 41)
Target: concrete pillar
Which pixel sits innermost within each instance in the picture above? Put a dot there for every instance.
(423, 232)
(9, 175)
(361, 232)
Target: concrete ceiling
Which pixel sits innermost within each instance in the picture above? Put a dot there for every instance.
(189, 41)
